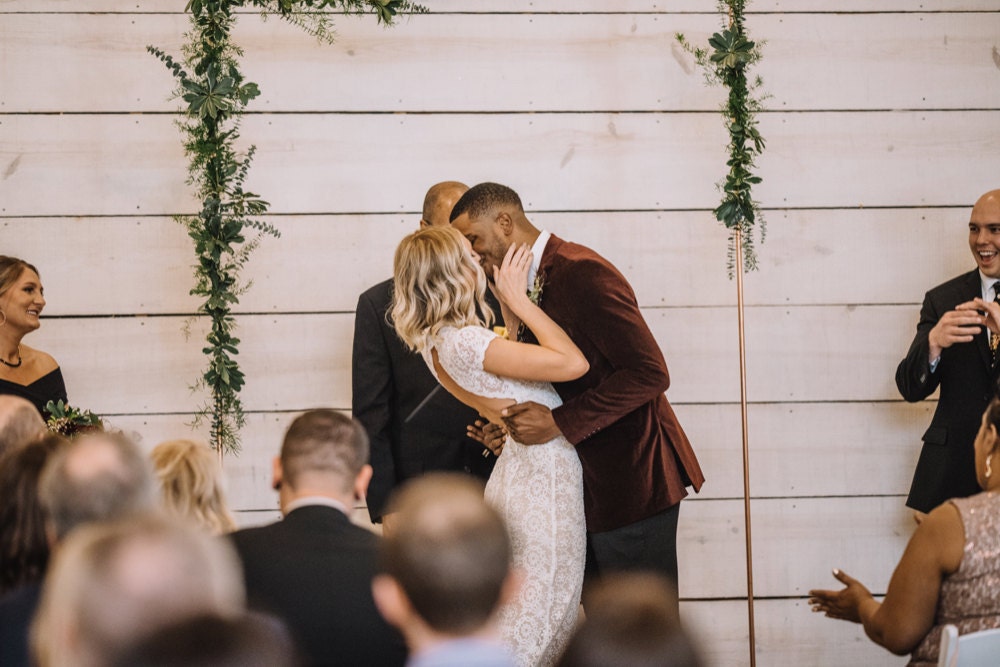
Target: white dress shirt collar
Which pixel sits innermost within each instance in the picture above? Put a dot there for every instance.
(317, 500)
(537, 248)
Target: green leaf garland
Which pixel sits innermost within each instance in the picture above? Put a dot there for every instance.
(227, 229)
(727, 61)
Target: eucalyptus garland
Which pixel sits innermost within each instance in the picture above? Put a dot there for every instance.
(226, 230)
(730, 55)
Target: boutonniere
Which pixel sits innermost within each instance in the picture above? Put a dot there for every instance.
(535, 291)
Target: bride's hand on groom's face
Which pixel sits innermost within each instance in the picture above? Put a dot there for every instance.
(511, 277)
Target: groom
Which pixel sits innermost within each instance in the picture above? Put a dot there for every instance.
(636, 459)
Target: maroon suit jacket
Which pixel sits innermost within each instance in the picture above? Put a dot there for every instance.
(636, 458)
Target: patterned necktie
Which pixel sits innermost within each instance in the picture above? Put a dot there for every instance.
(994, 338)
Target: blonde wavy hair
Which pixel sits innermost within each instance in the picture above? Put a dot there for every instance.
(436, 284)
(191, 483)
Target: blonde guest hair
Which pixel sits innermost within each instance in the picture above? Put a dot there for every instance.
(436, 284)
(191, 484)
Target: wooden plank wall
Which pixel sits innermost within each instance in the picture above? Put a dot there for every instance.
(882, 129)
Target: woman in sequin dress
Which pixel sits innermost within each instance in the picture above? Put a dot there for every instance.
(949, 573)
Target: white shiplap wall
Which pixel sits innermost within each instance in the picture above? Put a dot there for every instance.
(882, 129)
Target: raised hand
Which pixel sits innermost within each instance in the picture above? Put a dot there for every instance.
(961, 325)
(844, 604)
(991, 308)
(511, 277)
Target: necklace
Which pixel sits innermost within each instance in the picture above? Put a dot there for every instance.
(10, 365)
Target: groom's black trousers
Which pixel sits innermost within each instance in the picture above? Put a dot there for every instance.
(649, 544)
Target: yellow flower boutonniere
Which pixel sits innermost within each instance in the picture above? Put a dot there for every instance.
(535, 291)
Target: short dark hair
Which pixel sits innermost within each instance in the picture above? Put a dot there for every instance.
(631, 620)
(210, 640)
(484, 198)
(450, 552)
(324, 441)
(116, 487)
(24, 547)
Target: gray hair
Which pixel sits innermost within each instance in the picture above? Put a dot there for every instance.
(99, 477)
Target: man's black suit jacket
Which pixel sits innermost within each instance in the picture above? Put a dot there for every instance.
(314, 571)
(946, 468)
(389, 384)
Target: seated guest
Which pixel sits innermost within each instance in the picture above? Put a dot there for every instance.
(25, 371)
(112, 584)
(314, 569)
(209, 640)
(949, 572)
(191, 484)
(98, 477)
(631, 620)
(446, 570)
(19, 422)
(24, 548)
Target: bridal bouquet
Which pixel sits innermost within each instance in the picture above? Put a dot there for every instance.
(69, 421)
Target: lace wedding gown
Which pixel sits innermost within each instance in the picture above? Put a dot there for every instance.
(538, 490)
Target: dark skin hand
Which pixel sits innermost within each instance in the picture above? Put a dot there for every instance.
(490, 435)
(530, 423)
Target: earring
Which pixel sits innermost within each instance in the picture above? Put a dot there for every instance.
(989, 466)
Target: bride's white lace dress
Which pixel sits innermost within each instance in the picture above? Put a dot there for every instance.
(538, 490)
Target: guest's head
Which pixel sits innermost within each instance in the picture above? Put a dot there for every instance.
(99, 477)
(112, 584)
(437, 283)
(21, 296)
(325, 453)
(446, 568)
(987, 448)
(984, 233)
(491, 216)
(191, 484)
(210, 640)
(24, 545)
(631, 622)
(19, 422)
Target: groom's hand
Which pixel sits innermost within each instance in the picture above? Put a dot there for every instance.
(530, 423)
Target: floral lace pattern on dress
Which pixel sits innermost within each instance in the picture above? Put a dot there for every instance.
(538, 490)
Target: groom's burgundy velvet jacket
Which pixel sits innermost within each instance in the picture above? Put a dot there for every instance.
(636, 459)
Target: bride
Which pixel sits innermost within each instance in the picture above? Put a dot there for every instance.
(439, 290)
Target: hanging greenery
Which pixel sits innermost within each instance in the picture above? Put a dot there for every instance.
(227, 228)
(730, 55)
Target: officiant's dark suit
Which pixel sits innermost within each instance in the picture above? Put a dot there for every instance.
(390, 384)
(636, 458)
(946, 468)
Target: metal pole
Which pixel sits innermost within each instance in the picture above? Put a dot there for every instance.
(746, 440)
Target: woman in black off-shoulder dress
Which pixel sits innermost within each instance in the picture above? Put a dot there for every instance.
(25, 371)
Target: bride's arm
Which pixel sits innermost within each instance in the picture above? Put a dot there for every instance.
(556, 358)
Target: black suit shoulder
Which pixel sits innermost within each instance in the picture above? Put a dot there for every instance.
(314, 571)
